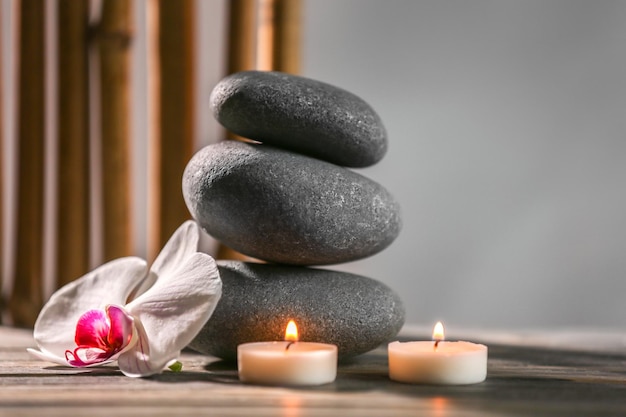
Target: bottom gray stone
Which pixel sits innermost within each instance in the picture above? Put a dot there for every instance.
(353, 312)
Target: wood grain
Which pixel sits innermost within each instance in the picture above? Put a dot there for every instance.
(521, 381)
(26, 299)
(115, 34)
(73, 142)
(177, 113)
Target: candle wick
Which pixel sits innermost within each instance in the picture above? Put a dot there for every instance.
(437, 344)
(289, 344)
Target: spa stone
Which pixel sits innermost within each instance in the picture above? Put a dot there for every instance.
(353, 312)
(288, 208)
(302, 115)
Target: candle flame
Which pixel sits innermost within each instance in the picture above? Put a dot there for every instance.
(291, 333)
(438, 333)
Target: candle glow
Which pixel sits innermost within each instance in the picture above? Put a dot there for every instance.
(291, 332)
(438, 333)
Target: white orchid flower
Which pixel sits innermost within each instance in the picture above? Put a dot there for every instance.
(90, 321)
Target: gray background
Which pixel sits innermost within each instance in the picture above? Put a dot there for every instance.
(507, 127)
(507, 135)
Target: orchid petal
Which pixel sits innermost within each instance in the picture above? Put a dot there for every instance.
(101, 336)
(181, 245)
(83, 356)
(110, 283)
(122, 327)
(171, 313)
(92, 329)
(136, 362)
(47, 356)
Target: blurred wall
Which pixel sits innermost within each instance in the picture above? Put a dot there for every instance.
(507, 128)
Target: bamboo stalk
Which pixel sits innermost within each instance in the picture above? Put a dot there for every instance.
(114, 39)
(26, 299)
(287, 36)
(176, 115)
(266, 27)
(73, 112)
(154, 154)
(279, 37)
(241, 35)
(2, 153)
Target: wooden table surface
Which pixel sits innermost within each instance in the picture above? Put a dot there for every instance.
(522, 381)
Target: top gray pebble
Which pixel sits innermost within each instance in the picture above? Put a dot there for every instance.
(302, 115)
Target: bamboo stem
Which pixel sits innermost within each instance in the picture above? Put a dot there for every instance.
(176, 116)
(154, 154)
(26, 299)
(287, 36)
(241, 36)
(2, 153)
(114, 38)
(266, 27)
(278, 40)
(73, 112)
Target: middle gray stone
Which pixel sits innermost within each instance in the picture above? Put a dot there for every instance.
(288, 208)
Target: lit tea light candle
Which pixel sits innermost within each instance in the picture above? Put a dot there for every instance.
(290, 363)
(437, 362)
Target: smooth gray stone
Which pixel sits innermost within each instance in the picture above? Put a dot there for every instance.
(302, 115)
(287, 208)
(353, 312)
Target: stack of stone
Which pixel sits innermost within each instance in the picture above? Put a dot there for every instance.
(286, 198)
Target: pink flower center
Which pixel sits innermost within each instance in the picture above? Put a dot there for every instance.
(100, 335)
